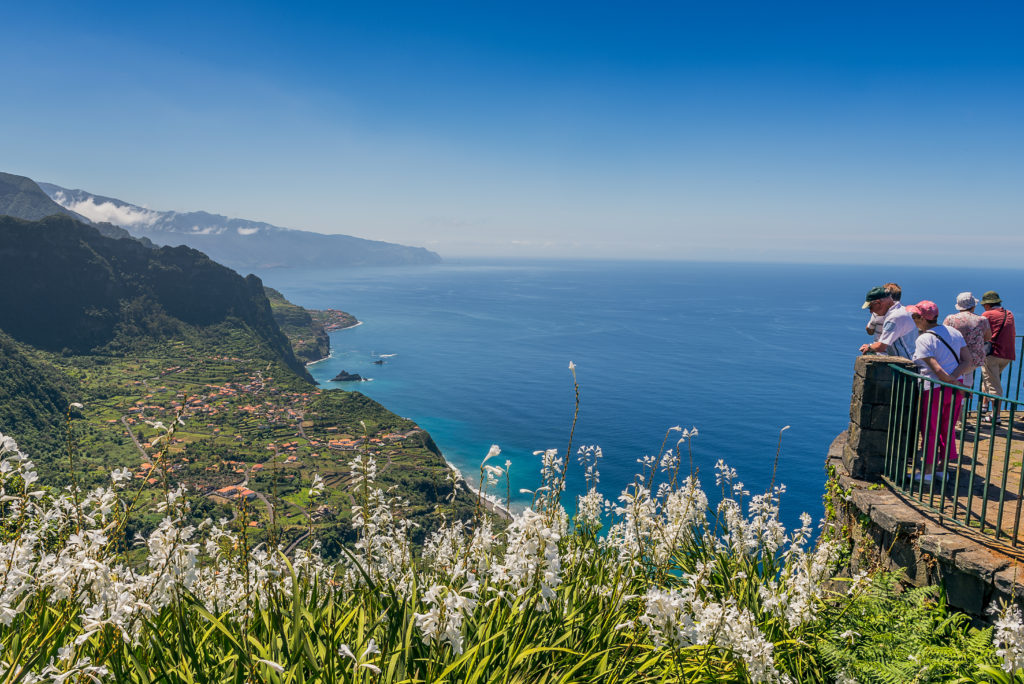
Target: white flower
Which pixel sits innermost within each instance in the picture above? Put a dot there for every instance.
(1009, 636)
(317, 486)
(120, 475)
(371, 649)
(494, 451)
(271, 664)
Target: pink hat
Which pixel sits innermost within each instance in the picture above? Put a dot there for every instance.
(925, 308)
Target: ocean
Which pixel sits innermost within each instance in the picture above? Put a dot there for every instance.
(477, 352)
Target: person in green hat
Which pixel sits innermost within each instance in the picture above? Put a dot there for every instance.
(898, 330)
(1002, 352)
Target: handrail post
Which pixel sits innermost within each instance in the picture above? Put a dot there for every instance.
(870, 410)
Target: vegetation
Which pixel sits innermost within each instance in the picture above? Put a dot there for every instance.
(202, 512)
(90, 293)
(657, 588)
(307, 330)
(150, 337)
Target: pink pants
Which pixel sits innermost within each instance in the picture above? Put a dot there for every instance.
(940, 408)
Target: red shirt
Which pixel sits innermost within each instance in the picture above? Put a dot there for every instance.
(1004, 333)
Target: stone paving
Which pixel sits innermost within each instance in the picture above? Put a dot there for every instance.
(986, 480)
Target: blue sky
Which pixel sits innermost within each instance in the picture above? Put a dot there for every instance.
(849, 132)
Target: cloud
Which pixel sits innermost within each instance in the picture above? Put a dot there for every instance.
(124, 215)
(247, 231)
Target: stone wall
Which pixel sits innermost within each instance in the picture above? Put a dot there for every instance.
(889, 531)
(864, 450)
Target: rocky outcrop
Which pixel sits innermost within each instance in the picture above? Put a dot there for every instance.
(345, 376)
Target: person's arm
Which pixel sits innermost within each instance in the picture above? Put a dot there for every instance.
(877, 347)
(986, 330)
(960, 371)
(939, 373)
(889, 336)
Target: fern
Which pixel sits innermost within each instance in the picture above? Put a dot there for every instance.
(884, 635)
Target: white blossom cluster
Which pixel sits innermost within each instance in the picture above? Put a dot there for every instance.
(63, 551)
(1009, 636)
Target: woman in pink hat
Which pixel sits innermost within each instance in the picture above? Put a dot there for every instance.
(939, 355)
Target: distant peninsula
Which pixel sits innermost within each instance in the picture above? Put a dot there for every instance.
(307, 329)
(244, 245)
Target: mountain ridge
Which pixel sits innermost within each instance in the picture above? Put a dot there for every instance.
(240, 243)
(21, 197)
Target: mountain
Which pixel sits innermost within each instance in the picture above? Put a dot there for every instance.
(239, 243)
(22, 198)
(66, 288)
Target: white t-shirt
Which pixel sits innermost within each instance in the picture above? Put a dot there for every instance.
(929, 344)
(898, 332)
(875, 323)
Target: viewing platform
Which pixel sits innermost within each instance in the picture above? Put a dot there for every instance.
(924, 481)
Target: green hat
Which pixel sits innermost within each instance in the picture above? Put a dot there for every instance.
(991, 297)
(874, 294)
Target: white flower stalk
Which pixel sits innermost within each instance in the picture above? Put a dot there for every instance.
(681, 618)
(494, 451)
(684, 511)
(442, 623)
(639, 525)
(532, 561)
(589, 508)
(551, 469)
(588, 457)
(384, 547)
(364, 469)
(1009, 636)
(316, 487)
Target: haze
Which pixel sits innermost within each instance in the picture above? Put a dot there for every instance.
(825, 132)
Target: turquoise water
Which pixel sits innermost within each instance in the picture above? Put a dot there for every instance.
(481, 352)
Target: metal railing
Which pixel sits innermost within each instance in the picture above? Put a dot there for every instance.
(950, 456)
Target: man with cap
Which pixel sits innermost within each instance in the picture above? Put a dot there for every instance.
(874, 326)
(975, 329)
(1004, 338)
(898, 330)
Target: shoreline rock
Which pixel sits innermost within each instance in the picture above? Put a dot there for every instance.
(345, 376)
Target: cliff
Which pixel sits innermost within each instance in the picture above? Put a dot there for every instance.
(66, 288)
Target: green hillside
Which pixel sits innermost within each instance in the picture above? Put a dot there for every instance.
(185, 377)
(307, 329)
(67, 288)
(34, 397)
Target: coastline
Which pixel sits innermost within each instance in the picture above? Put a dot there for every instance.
(489, 501)
(345, 327)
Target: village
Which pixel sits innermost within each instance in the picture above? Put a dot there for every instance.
(249, 439)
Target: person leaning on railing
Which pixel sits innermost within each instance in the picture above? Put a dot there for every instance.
(1001, 352)
(874, 326)
(939, 355)
(898, 332)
